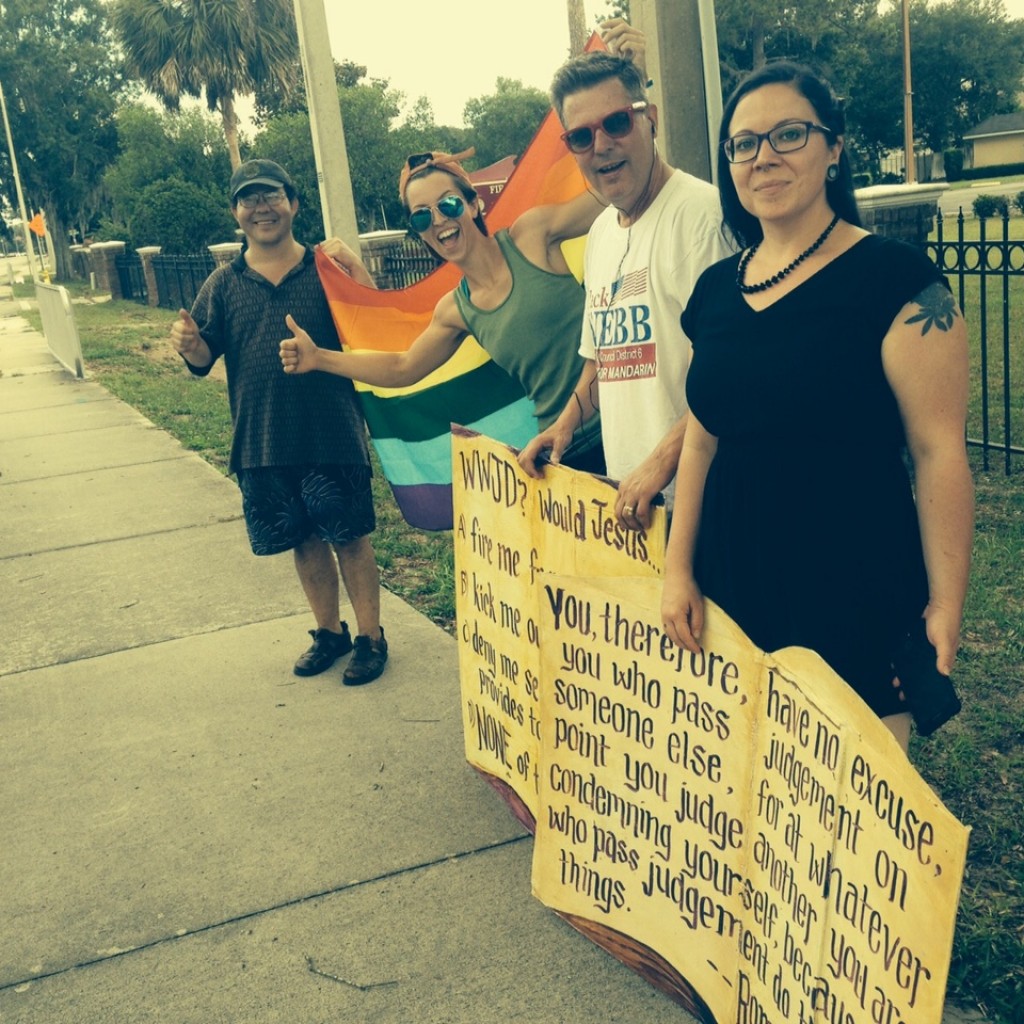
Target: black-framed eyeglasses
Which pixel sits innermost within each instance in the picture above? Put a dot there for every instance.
(450, 206)
(253, 199)
(616, 125)
(784, 138)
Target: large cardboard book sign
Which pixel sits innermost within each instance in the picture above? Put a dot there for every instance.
(735, 825)
(509, 530)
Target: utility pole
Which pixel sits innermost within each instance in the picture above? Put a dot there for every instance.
(578, 34)
(910, 175)
(336, 199)
(682, 60)
(17, 186)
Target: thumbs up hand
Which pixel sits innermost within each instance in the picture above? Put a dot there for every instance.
(188, 342)
(299, 353)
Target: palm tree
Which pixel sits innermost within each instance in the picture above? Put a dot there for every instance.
(223, 47)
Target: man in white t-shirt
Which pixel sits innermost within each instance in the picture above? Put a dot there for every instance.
(643, 257)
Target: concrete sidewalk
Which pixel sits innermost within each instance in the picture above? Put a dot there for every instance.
(190, 832)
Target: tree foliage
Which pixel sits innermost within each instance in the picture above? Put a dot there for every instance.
(182, 216)
(370, 111)
(751, 32)
(156, 149)
(62, 79)
(222, 49)
(616, 9)
(968, 57)
(967, 61)
(287, 140)
(61, 86)
(503, 123)
(377, 145)
(272, 101)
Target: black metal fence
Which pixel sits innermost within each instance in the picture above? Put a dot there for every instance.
(987, 276)
(404, 263)
(131, 276)
(179, 278)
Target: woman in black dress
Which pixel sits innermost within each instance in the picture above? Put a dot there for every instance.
(820, 352)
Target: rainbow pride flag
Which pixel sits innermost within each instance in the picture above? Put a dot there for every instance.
(411, 427)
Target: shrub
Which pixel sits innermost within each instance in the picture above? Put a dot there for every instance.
(861, 180)
(1018, 202)
(180, 217)
(109, 230)
(990, 206)
(953, 163)
(994, 171)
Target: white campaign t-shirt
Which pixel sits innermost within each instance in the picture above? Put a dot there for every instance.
(638, 281)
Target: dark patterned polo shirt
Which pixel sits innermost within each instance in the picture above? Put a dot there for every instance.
(279, 419)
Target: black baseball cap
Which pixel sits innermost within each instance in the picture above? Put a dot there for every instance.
(259, 172)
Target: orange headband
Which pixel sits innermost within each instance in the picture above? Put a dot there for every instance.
(417, 163)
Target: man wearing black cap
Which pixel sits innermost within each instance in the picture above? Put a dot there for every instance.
(299, 446)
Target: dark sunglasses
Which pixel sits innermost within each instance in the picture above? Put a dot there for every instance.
(418, 160)
(616, 125)
(451, 207)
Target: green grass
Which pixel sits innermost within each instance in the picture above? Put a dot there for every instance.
(976, 763)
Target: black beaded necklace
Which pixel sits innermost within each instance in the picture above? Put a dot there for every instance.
(741, 270)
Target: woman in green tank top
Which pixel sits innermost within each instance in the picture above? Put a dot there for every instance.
(517, 297)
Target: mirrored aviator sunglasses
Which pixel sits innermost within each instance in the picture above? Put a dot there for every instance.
(450, 206)
(616, 125)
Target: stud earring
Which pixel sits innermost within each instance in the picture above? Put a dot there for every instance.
(833, 172)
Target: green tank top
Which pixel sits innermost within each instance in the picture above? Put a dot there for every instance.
(534, 335)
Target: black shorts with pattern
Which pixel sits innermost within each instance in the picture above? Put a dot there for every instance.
(285, 505)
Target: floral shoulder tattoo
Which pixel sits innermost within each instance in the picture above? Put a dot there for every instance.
(936, 308)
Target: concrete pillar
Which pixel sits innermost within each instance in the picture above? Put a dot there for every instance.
(904, 212)
(101, 258)
(146, 254)
(80, 262)
(224, 252)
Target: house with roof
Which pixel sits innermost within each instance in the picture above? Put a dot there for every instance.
(998, 140)
(490, 181)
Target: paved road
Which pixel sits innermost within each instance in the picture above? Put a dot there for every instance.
(953, 199)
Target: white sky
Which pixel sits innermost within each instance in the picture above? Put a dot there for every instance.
(454, 51)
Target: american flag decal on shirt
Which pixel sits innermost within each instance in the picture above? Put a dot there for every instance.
(634, 283)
